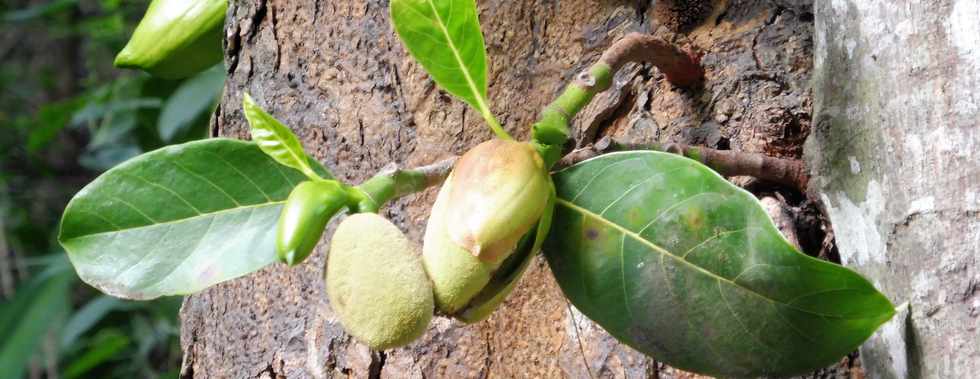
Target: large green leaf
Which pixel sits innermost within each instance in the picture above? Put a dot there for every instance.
(676, 262)
(444, 37)
(275, 138)
(177, 220)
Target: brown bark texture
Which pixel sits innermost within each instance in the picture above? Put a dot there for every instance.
(335, 72)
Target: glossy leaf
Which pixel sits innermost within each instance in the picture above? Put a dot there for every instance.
(444, 37)
(275, 139)
(177, 220)
(676, 262)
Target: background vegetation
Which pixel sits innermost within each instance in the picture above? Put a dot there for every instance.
(67, 115)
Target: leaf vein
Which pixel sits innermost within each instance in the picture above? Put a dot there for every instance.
(154, 223)
(240, 173)
(135, 208)
(208, 181)
(635, 186)
(597, 174)
(662, 251)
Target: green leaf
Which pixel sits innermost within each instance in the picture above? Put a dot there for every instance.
(177, 220)
(50, 120)
(26, 319)
(678, 263)
(86, 317)
(105, 347)
(194, 97)
(275, 139)
(444, 37)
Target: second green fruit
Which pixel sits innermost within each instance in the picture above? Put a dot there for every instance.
(376, 284)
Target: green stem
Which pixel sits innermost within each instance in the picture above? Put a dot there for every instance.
(552, 129)
(494, 124)
(681, 69)
(393, 182)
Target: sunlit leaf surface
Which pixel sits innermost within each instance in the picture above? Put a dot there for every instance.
(177, 220)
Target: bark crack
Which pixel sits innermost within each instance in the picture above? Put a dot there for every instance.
(755, 40)
(377, 364)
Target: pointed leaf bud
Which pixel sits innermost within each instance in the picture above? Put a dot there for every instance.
(176, 38)
(308, 208)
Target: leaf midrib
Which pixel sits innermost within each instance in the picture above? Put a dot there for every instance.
(477, 95)
(667, 253)
(204, 214)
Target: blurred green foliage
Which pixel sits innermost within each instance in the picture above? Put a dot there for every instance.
(67, 115)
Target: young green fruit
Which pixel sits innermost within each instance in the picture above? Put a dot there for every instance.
(496, 193)
(176, 38)
(375, 283)
(306, 213)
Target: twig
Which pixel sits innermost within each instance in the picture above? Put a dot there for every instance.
(681, 68)
(788, 172)
(394, 181)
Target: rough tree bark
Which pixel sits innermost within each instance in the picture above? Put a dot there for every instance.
(335, 72)
(894, 155)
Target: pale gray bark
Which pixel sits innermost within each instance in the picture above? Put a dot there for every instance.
(894, 156)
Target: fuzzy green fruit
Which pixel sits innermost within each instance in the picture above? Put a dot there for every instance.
(176, 38)
(496, 194)
(375, 283)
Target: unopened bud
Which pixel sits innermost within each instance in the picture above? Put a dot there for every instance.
(495, 195)
(176, 38)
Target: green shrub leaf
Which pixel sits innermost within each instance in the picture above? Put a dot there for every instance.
(177, 220)
(190, 101)
(678, 263)
(275, 139)
(444, 37)
(25, 320)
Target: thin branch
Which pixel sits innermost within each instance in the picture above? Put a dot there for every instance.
(681, 68)
(393, 181)
(430, 175)
(788, 172)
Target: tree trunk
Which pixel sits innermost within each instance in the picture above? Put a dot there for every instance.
(894, 157)
(337, 75)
